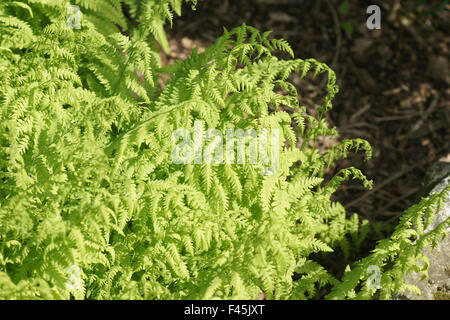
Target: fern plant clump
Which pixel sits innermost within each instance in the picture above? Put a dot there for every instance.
(92, 205)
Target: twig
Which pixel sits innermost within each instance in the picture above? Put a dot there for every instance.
(339, 34)
(384, 183)
(421, 121)
(337, 24)
(430, 109)
(396, 200)
(393, 178)
(359, 112)
(395, 118)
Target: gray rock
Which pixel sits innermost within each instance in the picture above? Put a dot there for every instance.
(360, 47)
(438, 68)
(437, 286)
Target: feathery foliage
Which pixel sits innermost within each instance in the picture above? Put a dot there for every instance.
(88, 185)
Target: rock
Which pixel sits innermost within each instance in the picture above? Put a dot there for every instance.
(187, 43)
(360, 50)
(361, 45)
(278, 2)
(385, 52)
(437, 172)
(437, 286)
(366, 80)
(281, 17)
(438, 68)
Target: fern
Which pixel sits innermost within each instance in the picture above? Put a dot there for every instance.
(399, 254)
(92, 205)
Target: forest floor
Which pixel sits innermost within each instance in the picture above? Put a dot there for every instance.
(394, 84)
